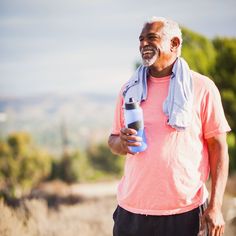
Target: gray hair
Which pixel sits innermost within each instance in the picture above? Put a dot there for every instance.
(171, 29)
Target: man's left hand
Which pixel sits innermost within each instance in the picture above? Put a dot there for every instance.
(213, 219)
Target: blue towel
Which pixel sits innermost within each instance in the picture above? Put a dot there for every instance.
(179, 102)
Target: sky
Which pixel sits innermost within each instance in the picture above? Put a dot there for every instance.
(77, 46)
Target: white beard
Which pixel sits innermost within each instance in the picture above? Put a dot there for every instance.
(151, 61)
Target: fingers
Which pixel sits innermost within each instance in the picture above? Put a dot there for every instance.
(218, 230)
(129, 135)
(215, 230)
(128, 138)
(212, 231)
(128, 131)
(222, 230)
(213, 222)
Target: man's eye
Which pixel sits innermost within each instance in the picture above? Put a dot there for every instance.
(152, 37)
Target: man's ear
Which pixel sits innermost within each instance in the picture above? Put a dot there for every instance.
(175, 43)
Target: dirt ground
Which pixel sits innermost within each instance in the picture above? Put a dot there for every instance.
(55, 209)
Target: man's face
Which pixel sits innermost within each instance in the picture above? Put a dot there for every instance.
(152, 43)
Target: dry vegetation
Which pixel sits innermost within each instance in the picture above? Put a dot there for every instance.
(62, 214)
(78, 210)
(33, 217)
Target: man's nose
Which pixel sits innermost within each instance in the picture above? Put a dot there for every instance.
(143, 43)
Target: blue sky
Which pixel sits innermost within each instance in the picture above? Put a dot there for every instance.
(71, 46)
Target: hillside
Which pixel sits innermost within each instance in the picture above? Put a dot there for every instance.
(54, 119)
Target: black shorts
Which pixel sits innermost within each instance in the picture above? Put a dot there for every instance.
(130, 224)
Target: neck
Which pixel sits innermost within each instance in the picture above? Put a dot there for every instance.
(161, 70)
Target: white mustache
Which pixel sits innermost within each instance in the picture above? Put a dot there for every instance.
(148, 48)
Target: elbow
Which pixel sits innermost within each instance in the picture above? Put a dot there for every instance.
(218, 143)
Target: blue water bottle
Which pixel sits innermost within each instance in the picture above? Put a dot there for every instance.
(133, 114)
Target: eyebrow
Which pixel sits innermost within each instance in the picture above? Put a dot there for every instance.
(150, 34)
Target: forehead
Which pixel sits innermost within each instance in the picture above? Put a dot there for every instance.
(155, 27)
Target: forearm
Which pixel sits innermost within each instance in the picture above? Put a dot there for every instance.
(219, 162)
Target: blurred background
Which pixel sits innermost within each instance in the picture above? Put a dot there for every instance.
(62, 64)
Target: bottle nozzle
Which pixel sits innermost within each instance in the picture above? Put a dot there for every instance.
(132, 104)
(131, 100)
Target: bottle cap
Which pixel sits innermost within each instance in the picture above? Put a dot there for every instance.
(131, 104)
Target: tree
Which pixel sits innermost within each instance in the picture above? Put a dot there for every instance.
(22, 165)
(198, 51)
(224, 74)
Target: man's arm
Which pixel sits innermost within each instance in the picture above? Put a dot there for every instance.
(119, 144)
(219, 162)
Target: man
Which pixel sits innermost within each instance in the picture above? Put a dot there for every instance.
(162, 192)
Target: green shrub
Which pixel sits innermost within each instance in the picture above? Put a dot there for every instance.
(96, 164)
(101, 158)
(72, 167)
(22, 165)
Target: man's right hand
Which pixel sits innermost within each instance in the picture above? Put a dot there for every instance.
(128, 138)
(120, 143)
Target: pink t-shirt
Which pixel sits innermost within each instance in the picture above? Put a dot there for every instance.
(169, 176)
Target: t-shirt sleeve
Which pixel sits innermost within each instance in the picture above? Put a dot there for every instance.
(213, 118)
(118, 121)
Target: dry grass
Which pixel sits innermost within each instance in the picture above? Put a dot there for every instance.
(33, 217)
(60, 210)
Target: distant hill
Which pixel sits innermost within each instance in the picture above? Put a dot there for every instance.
(53, 119)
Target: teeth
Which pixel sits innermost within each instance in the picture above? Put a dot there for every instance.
(148, 50)
(145, 52)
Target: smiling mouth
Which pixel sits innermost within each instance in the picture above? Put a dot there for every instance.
(148, 52)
